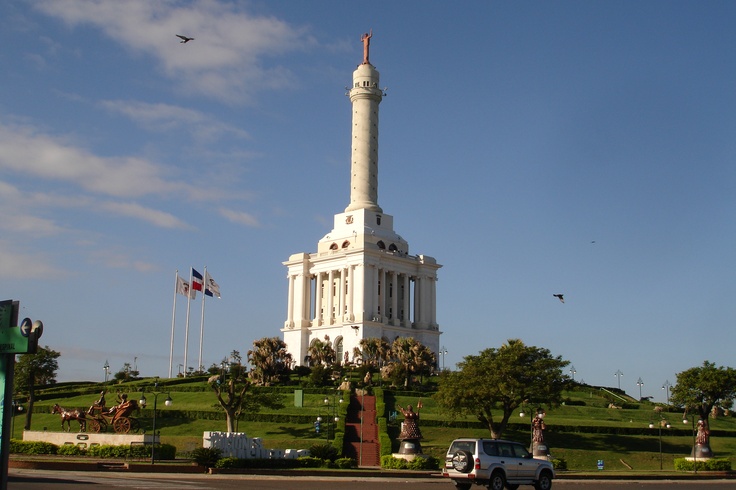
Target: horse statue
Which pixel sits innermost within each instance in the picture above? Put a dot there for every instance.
(68, 415)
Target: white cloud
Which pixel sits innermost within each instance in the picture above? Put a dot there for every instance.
(239, 217)
(226, 60)
(165, 117)
(153, 216)
(25, 151)
(25, 265)
(119, 259)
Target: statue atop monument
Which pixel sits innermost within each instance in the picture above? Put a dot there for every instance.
(366, 39)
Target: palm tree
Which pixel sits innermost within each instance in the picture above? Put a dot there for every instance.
(374, 351)
(321, 352)
(269, 359)
(413, 356)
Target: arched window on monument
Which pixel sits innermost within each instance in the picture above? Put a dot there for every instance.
(338, 349)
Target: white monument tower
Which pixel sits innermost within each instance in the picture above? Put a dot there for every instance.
(362, 282)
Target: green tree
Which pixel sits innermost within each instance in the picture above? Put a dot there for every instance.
(321, 352)
(373, 351)
(414, 358)
(126, 373)
(502, 379)
(699, 389)
(33, 370)
(269, 360)
(234, 393)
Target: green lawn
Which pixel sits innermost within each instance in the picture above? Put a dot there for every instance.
(580, 448)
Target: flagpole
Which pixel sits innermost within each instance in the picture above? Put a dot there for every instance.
(173, 323)
(201, 323)
(186, 331)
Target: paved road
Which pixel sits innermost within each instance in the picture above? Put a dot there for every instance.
(68, 480)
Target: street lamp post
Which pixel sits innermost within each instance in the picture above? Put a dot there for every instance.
(666, 387)
(443, 353)
(335, 418)
(618, 374)
(522, 414)
(536, 417)
(17, 408)
(106, 367)
(573, 372)
(695, 452)
(168, 403)
(639, 383)
(662, 422)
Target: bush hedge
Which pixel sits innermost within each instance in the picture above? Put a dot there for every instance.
(163, 451)
(419, 463)
(279, 464)
(713, 464)
(32, 447)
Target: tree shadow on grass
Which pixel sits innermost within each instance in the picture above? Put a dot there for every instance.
(295, 432)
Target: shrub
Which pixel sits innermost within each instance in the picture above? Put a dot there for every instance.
(32, 447)
(327, 452)
(418, 463)
(390, 463)
(206, 456)
(713, 464)
(424, 463)
(311, 462)
(70, 450)
(559, 464)
(228, 463)
(345, 463)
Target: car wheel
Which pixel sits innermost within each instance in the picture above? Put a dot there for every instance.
(463, 486)
(462, 461)
(497, 481)
(544, 482)
(511, 486)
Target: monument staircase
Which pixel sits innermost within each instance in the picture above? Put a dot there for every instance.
(366, 450)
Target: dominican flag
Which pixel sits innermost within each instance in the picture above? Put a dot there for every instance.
(211, 288)
(197, 280)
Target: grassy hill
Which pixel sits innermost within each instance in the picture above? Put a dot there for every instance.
(582, 431)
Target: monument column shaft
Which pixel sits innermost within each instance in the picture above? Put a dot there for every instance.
(365, 97)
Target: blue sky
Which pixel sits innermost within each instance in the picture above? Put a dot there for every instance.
(532, 148)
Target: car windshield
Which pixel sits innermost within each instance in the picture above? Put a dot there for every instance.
(463, 446)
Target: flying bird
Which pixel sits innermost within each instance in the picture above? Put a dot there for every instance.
(184, 39)
(560, 297)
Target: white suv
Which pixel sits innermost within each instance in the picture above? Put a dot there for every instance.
(496, 464)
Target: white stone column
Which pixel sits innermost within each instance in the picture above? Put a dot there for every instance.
(382, 295)
(290, 305)
(406, 299)
(331, 299)
(417, 300)
(341, 293)
(318, 301)
(395, 320)
(373, 294)
(351, 293)
(305, 280)
(433, 304)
